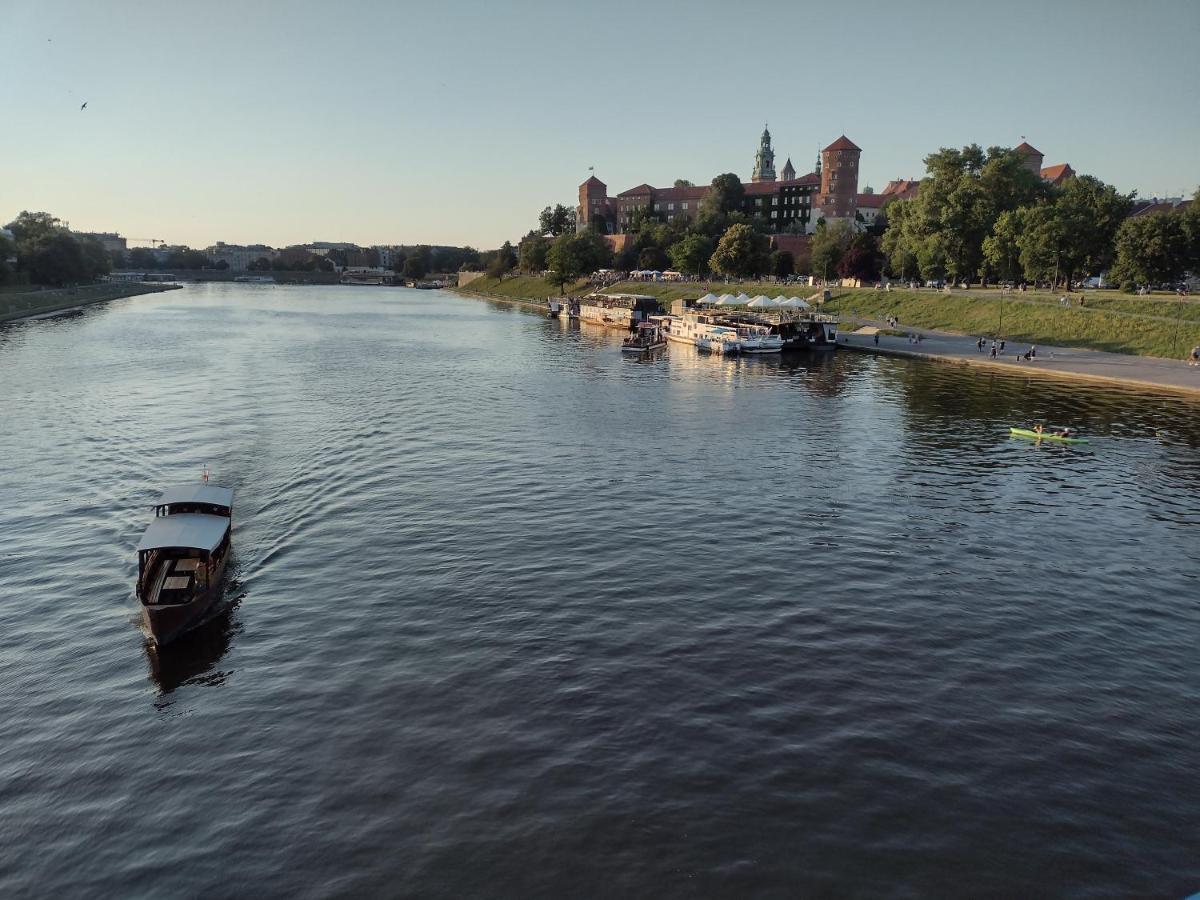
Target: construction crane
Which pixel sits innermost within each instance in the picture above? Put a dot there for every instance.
(153, 242)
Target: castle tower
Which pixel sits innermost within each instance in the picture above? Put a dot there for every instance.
(593, 205)
(1031, 156)
(838, 198)
(789, 171)
(764, 160)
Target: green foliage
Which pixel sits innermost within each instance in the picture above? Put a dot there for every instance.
(683, 183)
(556, 220)
(532, 252)
(942, 229)
(50, 254)
(691, 253)
(783, 263)
(830, 242)
(653, 258)
(741, 252)
(724, 197)
(862, 258)
(414, 267)
(575, 255)
(1151, 250)
(262, 264)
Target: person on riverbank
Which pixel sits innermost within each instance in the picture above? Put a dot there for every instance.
(876, 338)
(979, 345)
(1032, 352)
(993, 349)
(1002, 346)
(1194, 358)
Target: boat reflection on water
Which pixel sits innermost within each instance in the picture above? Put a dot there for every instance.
(193, 658)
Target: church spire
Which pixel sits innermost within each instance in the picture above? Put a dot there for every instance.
(818, 168)
(788, 172)
(764, 160)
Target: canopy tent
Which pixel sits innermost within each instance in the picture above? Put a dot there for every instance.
(779, 299)
(728, 300)
(760, 301)
(196, 492)
(195, 531)
(708, 299)
(742, 299)
(795, 303)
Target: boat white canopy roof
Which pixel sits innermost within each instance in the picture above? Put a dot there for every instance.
(195, 531)
(196, 492)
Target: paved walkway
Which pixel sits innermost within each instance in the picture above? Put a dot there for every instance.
(1055, 362)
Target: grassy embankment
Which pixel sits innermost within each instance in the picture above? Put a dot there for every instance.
(16, 305)
(1130, 325)
(1117, 323)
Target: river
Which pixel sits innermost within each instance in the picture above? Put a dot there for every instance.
(510, 614)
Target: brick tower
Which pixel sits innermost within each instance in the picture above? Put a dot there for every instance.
(838, 198)
(593, 205)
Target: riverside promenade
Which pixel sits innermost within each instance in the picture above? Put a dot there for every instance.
(1053, 362)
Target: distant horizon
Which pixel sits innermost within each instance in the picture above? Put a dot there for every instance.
(197, 131)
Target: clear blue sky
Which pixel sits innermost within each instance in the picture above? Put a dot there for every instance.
(456, 122)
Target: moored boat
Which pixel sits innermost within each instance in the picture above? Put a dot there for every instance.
(701, 331)
(622, 311)
(182, 558)
(649, 336)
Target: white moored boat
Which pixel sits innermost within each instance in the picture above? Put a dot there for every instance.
(701, 332)
(649, 336)
(759, 339)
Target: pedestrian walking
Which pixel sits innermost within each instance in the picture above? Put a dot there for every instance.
(1032, 352)
(993, 351)
(1002, 346)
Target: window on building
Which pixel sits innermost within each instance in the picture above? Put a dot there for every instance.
(683, 205)
(657, 207)
(670, 218)
(670, 206)
(758, 201)
(774, 214)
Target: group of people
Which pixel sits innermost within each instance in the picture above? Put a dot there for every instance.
(1064, 300)
(1060, 432)
(998, 348)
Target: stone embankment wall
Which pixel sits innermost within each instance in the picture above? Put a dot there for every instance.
(37, 302)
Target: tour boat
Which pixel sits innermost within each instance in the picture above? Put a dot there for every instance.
(182, 557)
(648, 336)
(701, 331)
(555, 307)
(759, 339)
(622, 311)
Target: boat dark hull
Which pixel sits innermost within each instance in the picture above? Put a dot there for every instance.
(167, 622)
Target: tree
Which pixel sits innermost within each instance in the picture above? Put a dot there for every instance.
(414, 267)
(564, 259)
(783, 263)
(262, 264)
(1151, 250)
(691, 253)
(532, 253)
(1002, 248)
(724, 196)
(653, 258)
(50, 254)
(143, 258)
(943, 228)
(741, 252)
(1074, 232)
(830, 242)
(683, 183)
(186, 258)
(862, 259)
(556, 220)
(8, 249)
(97, 260)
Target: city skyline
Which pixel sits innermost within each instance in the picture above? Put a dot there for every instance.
(286, 124)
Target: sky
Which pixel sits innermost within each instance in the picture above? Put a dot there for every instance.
(454, 122)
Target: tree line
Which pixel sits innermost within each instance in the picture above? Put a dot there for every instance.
(48, 253)
(984, 215)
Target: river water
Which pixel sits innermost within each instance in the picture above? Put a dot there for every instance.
(512, 615)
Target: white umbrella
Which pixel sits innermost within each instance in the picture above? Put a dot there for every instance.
(708, 299)
(742, 299)
(760, 301)
(795, 302)
(779, 300)
(727, 300)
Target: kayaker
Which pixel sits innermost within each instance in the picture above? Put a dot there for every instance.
(1064, 432)
(1038, 428)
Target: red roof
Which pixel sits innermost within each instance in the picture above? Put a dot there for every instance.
(843, 143)
(871, 201)
(640, 189)
(594, 182)
(1026, 149)
(681, 193)
(1057, 173)
(902, 188)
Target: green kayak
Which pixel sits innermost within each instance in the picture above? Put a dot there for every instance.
(1045, 436)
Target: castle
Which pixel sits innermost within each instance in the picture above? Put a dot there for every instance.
(789, 204)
